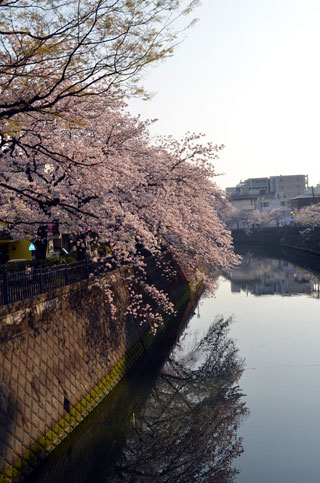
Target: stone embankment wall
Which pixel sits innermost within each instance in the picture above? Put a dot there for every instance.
(61, 354)
(300, 238)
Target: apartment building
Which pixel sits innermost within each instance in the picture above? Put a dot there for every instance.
(263, 194)
(289, 186)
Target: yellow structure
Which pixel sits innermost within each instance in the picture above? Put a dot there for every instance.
(16, 249)
(19, 249)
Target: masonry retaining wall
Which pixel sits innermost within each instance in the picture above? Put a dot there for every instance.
(61, 354)
(301, 238)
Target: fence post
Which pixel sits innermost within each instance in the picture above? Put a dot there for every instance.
(41, 280)
(66, 275)
(5, 285)
(86, 267)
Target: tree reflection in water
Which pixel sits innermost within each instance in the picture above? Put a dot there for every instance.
(273, 276)
(188, 429)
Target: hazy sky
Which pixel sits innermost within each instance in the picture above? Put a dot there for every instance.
(248, 76)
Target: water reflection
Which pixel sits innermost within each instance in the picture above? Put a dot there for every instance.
(269, 276)
(188, 429)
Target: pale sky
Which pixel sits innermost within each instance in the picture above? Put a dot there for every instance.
(248, 76)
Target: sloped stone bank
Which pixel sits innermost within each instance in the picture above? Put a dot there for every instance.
(61, 354)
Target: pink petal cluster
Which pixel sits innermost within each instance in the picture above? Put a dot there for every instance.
(102, 179)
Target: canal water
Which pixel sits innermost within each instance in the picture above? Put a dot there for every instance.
(232, 396)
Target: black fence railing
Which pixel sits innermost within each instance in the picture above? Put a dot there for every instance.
(15, 286)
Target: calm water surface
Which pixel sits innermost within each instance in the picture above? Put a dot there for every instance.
(240, 391)
(276, 311)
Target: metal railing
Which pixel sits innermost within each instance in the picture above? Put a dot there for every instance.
(16, 286)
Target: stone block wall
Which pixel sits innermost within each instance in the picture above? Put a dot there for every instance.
(61, 353)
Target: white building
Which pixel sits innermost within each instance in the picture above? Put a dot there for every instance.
(263, 194)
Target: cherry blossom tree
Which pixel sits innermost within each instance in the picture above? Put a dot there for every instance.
(244, 220)
(53, 50)
(234, 217)
(105, 173)
(104, 180)
(308, 220)
(272, 216)
(72, 155)
(309, 215)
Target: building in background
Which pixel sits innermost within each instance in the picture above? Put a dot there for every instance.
(263, 194)
(14, 249)
(59, 243)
